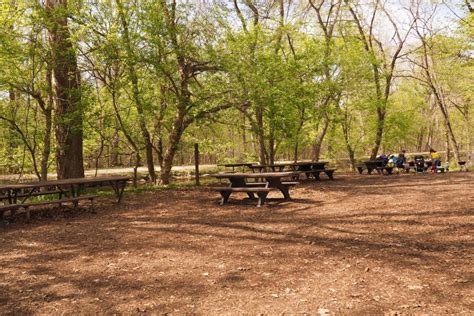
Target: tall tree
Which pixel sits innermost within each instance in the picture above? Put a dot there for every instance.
(130, 62)
(66, 89)
(382, 62)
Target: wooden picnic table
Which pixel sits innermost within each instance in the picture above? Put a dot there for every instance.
(20, 192)
(236, 165)
(372, 165)
(280, 167)
(273, 180)
(307, 166)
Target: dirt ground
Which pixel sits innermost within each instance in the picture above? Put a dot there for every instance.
(400, 244)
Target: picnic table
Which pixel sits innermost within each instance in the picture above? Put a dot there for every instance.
(16, 196)
(377, 165)
(312, 168)
(239, 183)
(280, 167)
(236, 165)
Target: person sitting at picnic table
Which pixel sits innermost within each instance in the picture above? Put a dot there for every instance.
(401, 160)
(435, 159)
(392, 159)
(383, 158)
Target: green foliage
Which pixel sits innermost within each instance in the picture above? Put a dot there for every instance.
(235, 73)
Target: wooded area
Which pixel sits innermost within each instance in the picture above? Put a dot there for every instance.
(104, 83)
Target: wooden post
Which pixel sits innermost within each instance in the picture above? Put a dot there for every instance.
(196, 162)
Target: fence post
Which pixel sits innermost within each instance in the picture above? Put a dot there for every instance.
(196, 163)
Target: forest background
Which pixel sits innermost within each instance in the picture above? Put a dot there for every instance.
(106, 83)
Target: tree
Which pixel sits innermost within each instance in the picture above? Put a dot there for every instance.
(66, 92)
(383, 62)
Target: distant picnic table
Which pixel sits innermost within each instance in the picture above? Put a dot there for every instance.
(377, 165)
(309, 168)
(18, 195)
(272, 180)
(236, 165)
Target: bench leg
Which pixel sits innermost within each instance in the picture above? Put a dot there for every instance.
(251, 195)
(262, 196)
(316, 176)
(360, 170)
(330, 175)
(92, 208)
(28, 214)
(225, 197)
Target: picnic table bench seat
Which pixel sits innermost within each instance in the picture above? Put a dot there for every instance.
(262, 184)
(26, 206)
(227, 191)
(25, 195)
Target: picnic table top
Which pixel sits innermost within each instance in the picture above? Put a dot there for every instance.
(27, 185)
(257, 174)
(304, 163)
(239, 164)
(299, 163)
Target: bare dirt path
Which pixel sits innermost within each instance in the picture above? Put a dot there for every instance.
(356, 245)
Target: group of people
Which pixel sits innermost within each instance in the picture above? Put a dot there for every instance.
(400, 161)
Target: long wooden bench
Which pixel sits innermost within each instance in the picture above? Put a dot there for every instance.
(262, 184)
(26, 195)
(227, 191)
(26, 206)
(328, 171)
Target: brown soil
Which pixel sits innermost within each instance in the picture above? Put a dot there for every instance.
(358, 244)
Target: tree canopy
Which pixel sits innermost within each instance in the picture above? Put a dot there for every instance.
(128, 83)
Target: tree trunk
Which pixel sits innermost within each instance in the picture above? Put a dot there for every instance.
(67, 95)
(11, 135)
(378, 133)
(48, 115)
(319, 139)
(350, 150)
(175, 138)
(46, 144)
(114, 161)
(260, 136)
(136, 93)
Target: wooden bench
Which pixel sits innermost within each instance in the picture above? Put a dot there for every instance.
(26, 206)
(26, 195)
(328, 171)
(227, 191)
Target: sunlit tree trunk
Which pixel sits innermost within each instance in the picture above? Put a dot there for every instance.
(66, 91)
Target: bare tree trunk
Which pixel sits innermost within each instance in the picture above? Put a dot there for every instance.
(66, 91)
